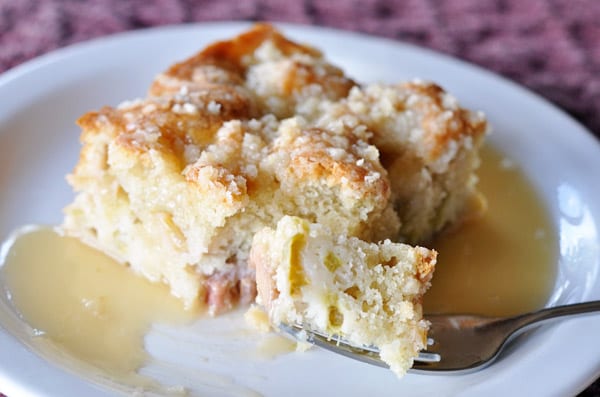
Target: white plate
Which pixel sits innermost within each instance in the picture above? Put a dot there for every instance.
(38, 146)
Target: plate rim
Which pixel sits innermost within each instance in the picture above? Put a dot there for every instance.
(66, 53)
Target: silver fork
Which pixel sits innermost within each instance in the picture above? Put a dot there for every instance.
(456, 342)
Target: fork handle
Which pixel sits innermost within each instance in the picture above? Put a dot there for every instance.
(556, 312)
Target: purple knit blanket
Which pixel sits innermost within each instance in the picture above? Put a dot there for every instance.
(549, 46)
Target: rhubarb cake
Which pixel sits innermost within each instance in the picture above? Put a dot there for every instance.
(252, 129)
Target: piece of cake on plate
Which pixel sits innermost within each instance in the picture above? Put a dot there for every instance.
(250, 130)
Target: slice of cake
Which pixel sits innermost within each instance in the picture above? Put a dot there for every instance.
(249, 130)
(370, 294)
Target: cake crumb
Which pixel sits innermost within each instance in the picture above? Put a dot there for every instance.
(306, 275)
(257, 318)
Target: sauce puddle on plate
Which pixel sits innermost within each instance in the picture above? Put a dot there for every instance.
(504, 262)
(94, 308)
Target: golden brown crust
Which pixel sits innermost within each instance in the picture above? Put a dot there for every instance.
(426, 260)
(225, 62)
(285, 69)
(230, 54)
(335, 84)
(168, 124)
(184, 115)
(317, 155)
(441, 123)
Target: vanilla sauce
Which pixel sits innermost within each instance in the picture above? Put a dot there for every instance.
(503, 262)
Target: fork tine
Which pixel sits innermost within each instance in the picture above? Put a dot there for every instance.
(428, 357)
(337, 344)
